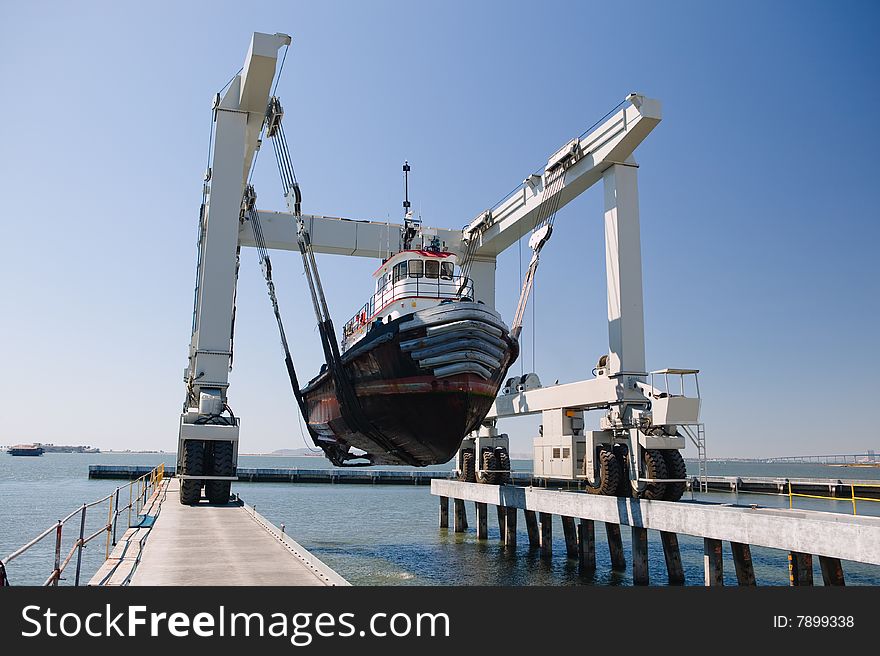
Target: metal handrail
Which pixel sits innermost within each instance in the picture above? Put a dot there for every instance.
(403, 288)
(853, 497)
(145, 484)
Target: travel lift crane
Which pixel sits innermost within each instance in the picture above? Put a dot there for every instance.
(643, 424)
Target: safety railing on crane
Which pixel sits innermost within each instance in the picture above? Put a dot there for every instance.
(139, 492)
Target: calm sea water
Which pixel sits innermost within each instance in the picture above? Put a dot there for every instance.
(377, 535)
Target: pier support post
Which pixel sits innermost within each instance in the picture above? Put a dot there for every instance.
(546, 534)
(800, 568)
(712, 562)
(640, 555)
(502, 513)
(586, 546)
(672, 554)
(482, 521)
(742, 562)
(568, 529)
(510, 527)
(615, 547)
(832, 571)
(460, 516)
(444, 512)
(532, 528)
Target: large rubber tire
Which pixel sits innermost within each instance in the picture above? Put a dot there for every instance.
(468, 467)
(490, 463)
(609, 474)
(655, 467)
(675, 468)
(503, 458)
(624, 487)
(193, 465)
(222, 465)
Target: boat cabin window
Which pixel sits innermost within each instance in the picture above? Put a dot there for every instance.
(399, 271)
(432, 269)
(446, 269)
(416, 268)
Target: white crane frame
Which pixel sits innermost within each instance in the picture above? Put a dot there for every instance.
(604, 153)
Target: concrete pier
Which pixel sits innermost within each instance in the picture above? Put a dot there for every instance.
(228, 544)
(803, 533)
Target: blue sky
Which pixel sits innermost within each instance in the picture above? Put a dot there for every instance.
(758, 197)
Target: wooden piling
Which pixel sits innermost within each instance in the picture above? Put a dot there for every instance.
(640, 555)
(546, 534)
(444, 512)
(672, 554)
(532, 528)
(482, 521)
(459, 516)
(586, 546)
(568, 529)
(800, 568)
(713, 563)
(502, 512)
(832, 571)
(615, 547)
(742, 562)
(510, 527)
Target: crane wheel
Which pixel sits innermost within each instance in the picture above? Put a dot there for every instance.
(655, 467)
(609, 474)
(218, 491)
(468, 467)
(624, 487)
(503, 458)
(675, 468)
(193, 464)
(489, 465)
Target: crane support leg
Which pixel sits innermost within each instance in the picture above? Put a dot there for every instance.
(207, 452)
(623, 265)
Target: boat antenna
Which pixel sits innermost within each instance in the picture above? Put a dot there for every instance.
(409, 230)
(406, 203)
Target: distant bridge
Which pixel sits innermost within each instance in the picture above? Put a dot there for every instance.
(867, 458)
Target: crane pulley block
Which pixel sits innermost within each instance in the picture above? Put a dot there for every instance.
(565, 156)
(274, 114)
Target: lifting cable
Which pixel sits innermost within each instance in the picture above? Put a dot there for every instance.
(543, 228)
(349, 404)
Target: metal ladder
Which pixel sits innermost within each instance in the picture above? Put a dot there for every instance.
(697, 435)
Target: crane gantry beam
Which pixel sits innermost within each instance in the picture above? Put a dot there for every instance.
(612, 142)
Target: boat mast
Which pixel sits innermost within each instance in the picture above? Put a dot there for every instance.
(409, 229)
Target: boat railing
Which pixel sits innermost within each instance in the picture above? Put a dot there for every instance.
(410, 287)
(139, 492)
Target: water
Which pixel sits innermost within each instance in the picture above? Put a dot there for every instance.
(380, 535)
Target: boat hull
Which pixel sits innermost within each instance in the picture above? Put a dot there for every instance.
(424, 381)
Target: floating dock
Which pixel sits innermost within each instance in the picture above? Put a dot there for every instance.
(832, 537)
(206, 544)
(828, 487)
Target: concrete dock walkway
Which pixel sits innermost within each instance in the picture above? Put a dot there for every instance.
(210, 545)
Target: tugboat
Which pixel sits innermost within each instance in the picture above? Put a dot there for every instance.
(425, 361)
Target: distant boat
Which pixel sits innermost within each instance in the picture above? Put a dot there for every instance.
(25, 450)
